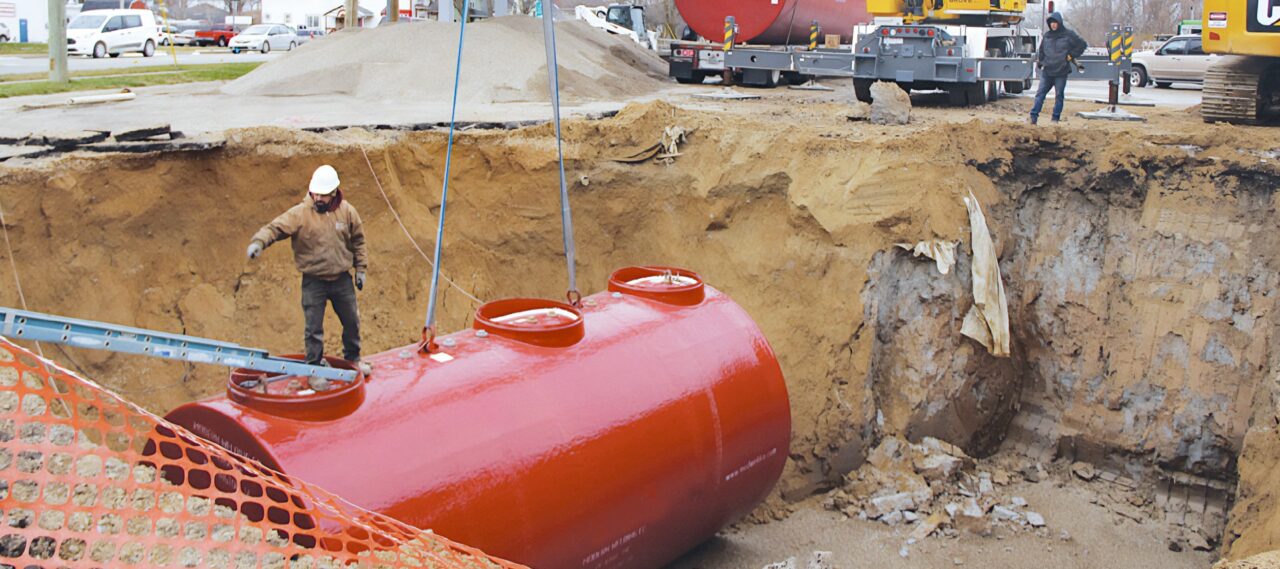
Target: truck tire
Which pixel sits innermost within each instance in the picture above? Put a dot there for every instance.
(862, 89)
(222, 41)
(976, 94)
(957, 95)
(1017, 87)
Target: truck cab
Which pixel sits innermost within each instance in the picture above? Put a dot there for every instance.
(627, 16)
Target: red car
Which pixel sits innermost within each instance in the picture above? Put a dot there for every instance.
(218, 34)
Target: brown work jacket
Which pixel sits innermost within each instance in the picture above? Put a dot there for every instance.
(325, 245)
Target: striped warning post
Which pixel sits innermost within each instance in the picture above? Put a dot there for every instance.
(1115, 43)
(1128, 38)
(814, 29)
(730, 30)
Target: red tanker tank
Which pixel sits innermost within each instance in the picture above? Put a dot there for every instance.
(774, 21)
(615, 435)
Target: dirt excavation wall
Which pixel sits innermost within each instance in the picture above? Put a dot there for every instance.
(1140, 273)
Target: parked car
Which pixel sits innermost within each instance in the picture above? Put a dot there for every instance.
(217, 34)
(264, 38)
(167, 34)
(307, 34)
(1181, 59)
(100, 33)
(5, 35)
(188, 36)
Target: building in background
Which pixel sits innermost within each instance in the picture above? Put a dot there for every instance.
(321, 14)
(27, 20)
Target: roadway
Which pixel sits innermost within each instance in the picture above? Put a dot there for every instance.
(14, 64)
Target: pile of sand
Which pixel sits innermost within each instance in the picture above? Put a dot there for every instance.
(503, 61)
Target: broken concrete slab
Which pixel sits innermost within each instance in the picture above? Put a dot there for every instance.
(10, 152)
(142, 133)
(937, 466)
(68, 139)
(155, 146)
(892, 518)
(14, 139)
(1005, 514)
(1036, 520)
(890, 105)
(884, 505)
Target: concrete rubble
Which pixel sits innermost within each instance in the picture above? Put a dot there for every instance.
(817, 560)
(932, 488)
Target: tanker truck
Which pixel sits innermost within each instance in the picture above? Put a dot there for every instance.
(783, 26)
(971, 49)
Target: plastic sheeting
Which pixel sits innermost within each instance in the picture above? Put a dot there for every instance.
(988, 319)
(942, 252)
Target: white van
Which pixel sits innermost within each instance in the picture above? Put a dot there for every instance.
(112, 32)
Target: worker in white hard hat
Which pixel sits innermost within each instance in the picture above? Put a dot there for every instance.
(328, 243)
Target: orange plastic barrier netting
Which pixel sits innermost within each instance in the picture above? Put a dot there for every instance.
(90, 480)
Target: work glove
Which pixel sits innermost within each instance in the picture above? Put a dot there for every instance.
(255, 249)
(359, 280)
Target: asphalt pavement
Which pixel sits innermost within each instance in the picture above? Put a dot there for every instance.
(1180, 95)
(13, 65)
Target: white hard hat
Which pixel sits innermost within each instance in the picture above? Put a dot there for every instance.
(324, 181)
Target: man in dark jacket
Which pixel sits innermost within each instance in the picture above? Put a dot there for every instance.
(1058, 48)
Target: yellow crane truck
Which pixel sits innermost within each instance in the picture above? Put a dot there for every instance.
(1244, 87)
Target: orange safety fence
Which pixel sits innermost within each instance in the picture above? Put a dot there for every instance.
(90, 480)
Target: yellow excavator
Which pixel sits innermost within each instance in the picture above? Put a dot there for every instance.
(959, 12)
(1244, 87)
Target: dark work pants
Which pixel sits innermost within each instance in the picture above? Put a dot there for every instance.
(1059, 86)
(342, 293)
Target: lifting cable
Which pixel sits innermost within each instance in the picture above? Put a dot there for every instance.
(566, 217)
(408, 235)
(429, 327)
(22, 298)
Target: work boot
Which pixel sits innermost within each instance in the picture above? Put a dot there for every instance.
(364, 367)
(1031, 120)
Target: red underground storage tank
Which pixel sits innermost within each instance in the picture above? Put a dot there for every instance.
(774, 21)
(615, 435)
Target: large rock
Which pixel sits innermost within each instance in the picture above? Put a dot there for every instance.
(889, 104)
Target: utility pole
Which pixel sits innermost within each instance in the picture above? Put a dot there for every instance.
(352, 15)
(393, 10)
(58, 42)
